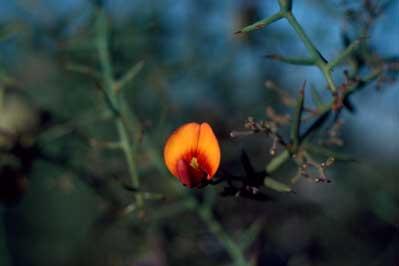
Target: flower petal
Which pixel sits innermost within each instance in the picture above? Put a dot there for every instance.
(188, 175)
(182, 144)
(208, 151)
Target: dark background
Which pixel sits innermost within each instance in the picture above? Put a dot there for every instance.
(195, 69)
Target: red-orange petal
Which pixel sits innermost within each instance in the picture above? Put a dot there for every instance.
(188, 141)
(188, 175)
(208, 151)
(180, 145)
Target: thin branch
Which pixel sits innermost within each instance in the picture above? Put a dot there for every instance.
(344, 54)
(262, 23)
(292, 60)
(128, 77)
(113, 98)
(231, 247)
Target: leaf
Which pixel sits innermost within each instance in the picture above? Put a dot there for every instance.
(277, 185)
(277, 161)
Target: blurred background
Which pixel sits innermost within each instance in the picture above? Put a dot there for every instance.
(61, 190)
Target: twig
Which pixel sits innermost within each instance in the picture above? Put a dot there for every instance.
(113, 98)
(232, 248)
(316, 58)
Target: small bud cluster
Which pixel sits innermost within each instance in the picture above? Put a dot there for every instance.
(279, 119)
(284, 97)
(362, 19)
(268, 127)
(339, 96)
(334, 133)
(305, 167)
(389, 77)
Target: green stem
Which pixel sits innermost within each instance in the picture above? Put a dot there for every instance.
(262, 23)
(344, 54)
(292, 60)
(319, 60)
(327, 75)
(129, 76)
(115, 103)
(129, 152)
(231, 247)
(316, 57)
(285, 5)
(364, 82)
(303, 36)
(103, 51)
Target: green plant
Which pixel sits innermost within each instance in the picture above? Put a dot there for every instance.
(128, 128)
(135, 192)
(299, 145)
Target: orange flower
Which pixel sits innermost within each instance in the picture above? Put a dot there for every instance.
(192, 154)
